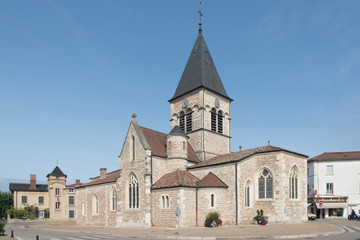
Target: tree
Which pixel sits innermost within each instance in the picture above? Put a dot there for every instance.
(6, 202)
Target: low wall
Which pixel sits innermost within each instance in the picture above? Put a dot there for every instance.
(36, 220)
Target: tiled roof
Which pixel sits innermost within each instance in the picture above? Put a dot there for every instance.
(57, 173)
(211, 180)
(179, 178)
(110, 177)
(157, 142)
(177, 131)
(26, 187)
(238, 156)
(336, 156)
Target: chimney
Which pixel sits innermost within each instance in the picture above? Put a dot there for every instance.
(77, 182)
(33, 181)
(102, 173)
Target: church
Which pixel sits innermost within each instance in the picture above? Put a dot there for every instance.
(192, 168)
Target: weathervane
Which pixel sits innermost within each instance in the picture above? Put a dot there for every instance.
(57, 162)
(200, 15)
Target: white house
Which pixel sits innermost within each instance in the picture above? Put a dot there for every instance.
(334, 181)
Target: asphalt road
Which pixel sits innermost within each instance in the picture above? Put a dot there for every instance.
(351, 229)
(25, 233)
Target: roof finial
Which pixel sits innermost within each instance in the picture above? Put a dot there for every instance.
(57, 162)
(133, 116)
(240, 147)
(200, 15)
(268, 142)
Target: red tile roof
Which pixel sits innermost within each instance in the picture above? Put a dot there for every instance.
(336, 156)
(211, 180)
(110, 177)
(179, 178)
(157, 142)
(238, 156)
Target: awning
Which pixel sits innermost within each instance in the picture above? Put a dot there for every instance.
(332, 205)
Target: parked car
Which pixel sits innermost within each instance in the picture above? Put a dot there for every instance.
(311, 216)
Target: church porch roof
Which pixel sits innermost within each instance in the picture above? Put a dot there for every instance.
(211, 180)
(179, 178)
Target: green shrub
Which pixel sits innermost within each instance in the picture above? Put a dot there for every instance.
(2, 230)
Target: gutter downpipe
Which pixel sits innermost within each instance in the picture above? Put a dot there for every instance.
(236, 194)
(196, 203)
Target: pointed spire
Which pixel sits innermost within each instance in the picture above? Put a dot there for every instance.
(200, 71)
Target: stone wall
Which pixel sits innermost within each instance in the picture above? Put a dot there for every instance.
(141, 168)
(85, 205)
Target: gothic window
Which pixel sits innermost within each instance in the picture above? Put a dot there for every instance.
(182, 120)
(113, 200)
(293, 183)
(167, 201)
(247, 194)
(265, 185)
(220, 121)
(133, 192)
(188, 120)
(213, 119)
(95, 204)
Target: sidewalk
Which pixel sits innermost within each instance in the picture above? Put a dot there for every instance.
(276, 231)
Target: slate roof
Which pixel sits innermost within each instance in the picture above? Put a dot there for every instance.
(177, 131)
(26, 187)
(110, 177)
(157, 142)
(328, 156)
(200, 71)
(238, 156)
(211, 180)
(57, 173)
(179, 178)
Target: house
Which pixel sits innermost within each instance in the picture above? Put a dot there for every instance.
(334, 181)
(54, 200)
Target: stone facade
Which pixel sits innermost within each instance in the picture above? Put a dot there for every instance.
(192, 168)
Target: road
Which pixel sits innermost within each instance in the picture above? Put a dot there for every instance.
(26, 233)
(351, 231)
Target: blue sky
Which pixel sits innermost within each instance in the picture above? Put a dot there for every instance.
(73, 72)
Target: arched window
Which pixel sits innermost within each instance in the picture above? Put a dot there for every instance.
(213, 119)
(220, 121)
(265, 185)
(212, 200)
(83, 208)
(132, 148)
(162, 201)
(113, 200)
(293, 183)
(182, 120)
(188, 120)
(95, 204)
(167, 202)
(133, 192)
(247, 194)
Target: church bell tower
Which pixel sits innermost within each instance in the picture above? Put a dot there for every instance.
(200, 105)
